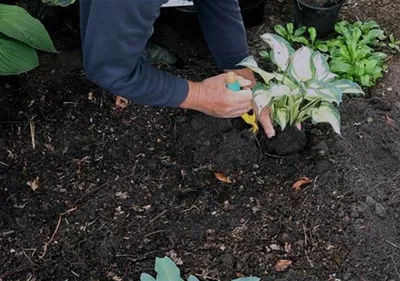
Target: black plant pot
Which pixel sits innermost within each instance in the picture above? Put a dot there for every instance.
(185, 20)
(322, 18)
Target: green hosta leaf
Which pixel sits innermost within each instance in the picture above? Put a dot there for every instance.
(281, 30)
(16, 57)
(281, 50)
(326, 113)
(250, 63)
(366, 80)
(321, 67)
(339, 67)
(290, 27)
(367, 26)
(17, 23)
(301, 40)
(372, 35)
(313, 34)
(278, 90)
(167, 270)
(300, 31)
(347, 87)
(281, 117)
(146, 277)
(370, 65)
(301, 68)
(192, 278)
(323, 48)
(265, 55)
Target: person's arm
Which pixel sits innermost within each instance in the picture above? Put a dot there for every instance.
(223, 28)
(114, 36)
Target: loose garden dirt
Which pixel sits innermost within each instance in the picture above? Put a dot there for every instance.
(119, 187)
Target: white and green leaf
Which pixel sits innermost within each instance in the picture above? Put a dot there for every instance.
(281, 117)
(281, 50)
(301, 67)
(348, 87)
(323, 91)
(326, 113)
(321, 67)
(250, 63)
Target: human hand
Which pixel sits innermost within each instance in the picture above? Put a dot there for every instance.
(264, 117)
(213, 98)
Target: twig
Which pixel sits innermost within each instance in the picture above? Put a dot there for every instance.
(395, 267)
(154, 232)
(309, 261)
(157, 217)
(394, 245)
(32, 126)
(2, 163)
(274, 156)
(55, 231)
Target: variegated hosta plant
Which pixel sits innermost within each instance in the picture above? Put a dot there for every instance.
(301, 87)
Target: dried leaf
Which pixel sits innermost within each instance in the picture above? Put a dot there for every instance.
(282, 265)
(121, 102)
(390, 122)
(174, 256)
(221, 177)
(34, 184)
(301, 182)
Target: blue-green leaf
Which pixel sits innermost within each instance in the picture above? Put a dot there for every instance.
(192, 278)
(167, 270)
(146, 277)
(247, 279)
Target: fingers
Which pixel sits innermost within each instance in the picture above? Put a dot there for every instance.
(265, 120)
(244, 82)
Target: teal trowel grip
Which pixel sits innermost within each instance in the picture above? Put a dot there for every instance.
(232, 82)
(234, 86)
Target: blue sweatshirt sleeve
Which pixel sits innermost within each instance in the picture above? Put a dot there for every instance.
(223, 28)
(114, 35)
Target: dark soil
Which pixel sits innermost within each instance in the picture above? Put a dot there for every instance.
(322, 3)
(138, 183)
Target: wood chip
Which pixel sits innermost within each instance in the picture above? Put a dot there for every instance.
(301, 182)
(282, 265)
(223, 178)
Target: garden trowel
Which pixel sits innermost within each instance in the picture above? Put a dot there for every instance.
(233, 84)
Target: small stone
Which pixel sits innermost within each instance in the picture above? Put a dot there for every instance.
(346, 276)
(380, 210)
(275, 247)
(285, 237)
(369, 201)
(321, 146)
(370, 119)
